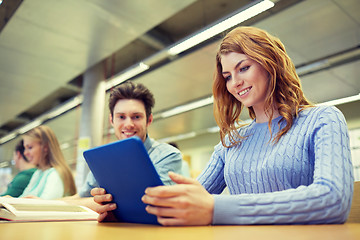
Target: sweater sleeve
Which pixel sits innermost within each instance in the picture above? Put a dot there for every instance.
(212, 177)
(326, 200)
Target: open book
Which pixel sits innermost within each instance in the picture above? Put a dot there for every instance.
(30, 210)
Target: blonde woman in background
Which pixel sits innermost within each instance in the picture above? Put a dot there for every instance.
(53, 178)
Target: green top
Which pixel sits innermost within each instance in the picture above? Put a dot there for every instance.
(19, 183)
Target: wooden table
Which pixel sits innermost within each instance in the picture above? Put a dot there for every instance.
(89, 230)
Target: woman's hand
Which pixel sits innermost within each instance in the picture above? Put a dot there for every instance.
(104, 206)
(186, 203)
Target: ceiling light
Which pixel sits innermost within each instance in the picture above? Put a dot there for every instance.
(213, 129)
(341, 100)
(312, 67)
(221, 26)
(8, 138)
(30, 126)
(178, 137)
(186, 107)
(70, 104)
(127, 74)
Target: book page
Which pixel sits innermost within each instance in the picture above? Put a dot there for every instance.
(47, 207)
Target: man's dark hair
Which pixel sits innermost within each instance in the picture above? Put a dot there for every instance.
(130, 90)
(21, 149)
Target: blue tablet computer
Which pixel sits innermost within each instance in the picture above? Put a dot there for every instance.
(124, 169)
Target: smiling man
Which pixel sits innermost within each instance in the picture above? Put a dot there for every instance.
(130, 108)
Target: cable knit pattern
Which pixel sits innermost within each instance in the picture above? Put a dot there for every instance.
(305, 178)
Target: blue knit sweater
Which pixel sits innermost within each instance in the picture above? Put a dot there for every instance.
(305, 178)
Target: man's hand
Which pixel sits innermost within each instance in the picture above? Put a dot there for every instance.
(104, 205)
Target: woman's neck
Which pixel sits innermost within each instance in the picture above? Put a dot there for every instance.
(262, 116)
(43, 168)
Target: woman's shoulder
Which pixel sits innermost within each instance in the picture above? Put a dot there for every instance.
(318, 116)
(321, 110)
(37, 172)
(51, 173)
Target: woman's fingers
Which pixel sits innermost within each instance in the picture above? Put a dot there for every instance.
(163, 202)
(176, 216)
(187, 203)
(165, 221)
(179, 179)
(164, 191)
(173, 190)
(165, 211)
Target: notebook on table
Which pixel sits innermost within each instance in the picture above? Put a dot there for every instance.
(124, 169)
